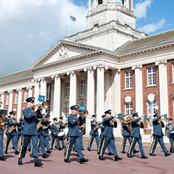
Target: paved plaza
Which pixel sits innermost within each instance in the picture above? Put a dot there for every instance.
(55, 163)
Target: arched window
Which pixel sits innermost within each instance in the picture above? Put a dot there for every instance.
(100, 2)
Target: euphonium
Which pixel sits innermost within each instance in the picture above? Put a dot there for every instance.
(12, 128)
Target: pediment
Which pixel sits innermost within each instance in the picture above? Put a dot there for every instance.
(63, 50)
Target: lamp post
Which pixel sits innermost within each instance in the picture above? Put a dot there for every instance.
(151, 99)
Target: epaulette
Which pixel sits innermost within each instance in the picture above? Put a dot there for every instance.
(69, 115)
(24, 108)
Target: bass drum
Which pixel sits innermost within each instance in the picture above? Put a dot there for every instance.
(61, 135)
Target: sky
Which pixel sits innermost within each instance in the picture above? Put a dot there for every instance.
(28, 28)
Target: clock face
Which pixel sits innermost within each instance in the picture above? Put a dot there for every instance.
(118, 2)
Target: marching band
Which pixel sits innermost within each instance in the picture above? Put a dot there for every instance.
(34, 128)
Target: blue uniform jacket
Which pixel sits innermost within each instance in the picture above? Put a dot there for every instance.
(55, 129)
(169, 128)
(136, 128)
(108, 127)
(11, 122)
(45, 131)
(93, 124)
(1, 131)
(125, 130)
(62, 125)
(102, 129)
(19, 128)
(73, 125)
(30, 125)
(158, 127)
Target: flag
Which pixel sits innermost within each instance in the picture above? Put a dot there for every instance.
(72, 18)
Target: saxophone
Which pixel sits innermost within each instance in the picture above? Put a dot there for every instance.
(39, 124)
(12, 128)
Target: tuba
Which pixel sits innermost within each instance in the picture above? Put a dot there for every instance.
(126, 121)
(2, 116)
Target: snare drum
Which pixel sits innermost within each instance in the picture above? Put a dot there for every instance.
(61, 135)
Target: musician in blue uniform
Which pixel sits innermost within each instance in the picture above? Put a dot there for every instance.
(169, 132)
(158, 136)
(101, 126)
(127, 135)
(62, 126)
(136, 136)
(54, 134)
(108, 137)
(11, 132)
(74, 135)
(44, 134)
(94, 132)
(30, 131)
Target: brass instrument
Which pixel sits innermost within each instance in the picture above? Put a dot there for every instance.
(127, 119)
(12, 128)
(47, 126)
(2, 116)
(83, 113)
(95, 127)
(39, 124)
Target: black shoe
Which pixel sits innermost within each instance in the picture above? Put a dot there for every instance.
(31, 155)
(2, 158)
(101, 158)
(144, 157)
(123, 152)
(64, 147)
(129, 156)
(37, 163)
(56, 147)
(83, 160)
(29, 150)
(5, 152)
(60, 148)
(118, 158)
(88, 149)
(16, 152)
(51, 148)
(66, 161)
(135, 151)
(20, 161)
(83, 149)
(98, 153)
(48, 151)
(167, 154)
(110, 153)
(152, 154)
(45, 155)
(77, 155)
(13, 148)
(171, 150)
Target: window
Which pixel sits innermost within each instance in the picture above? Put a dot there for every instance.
(128, 79)
(16, 97)
(151, 76)
(48, 92)
(100, 2)
(82, 86)
(25, 95)
(66, 115)
(154, 111)
(129, 108)
(7, 98)
(173, 71)
(67, 89)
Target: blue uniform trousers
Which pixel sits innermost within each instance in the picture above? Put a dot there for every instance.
(1, 145)
(99, 146)
(91, 140)
(53, 138)
(24, 143)
(14, 140)
(106, 141)
(171, 140)
(157, 139)
(124, 142)
(133, 143)
(63, 143)
(47, 143)
(43, 144)
(76, 141)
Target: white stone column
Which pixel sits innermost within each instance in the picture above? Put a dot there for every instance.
(138, 90)
(10, 101)
(163, 91)
(29, 91)
(19, 103)
(100, 93)
(131, 5)
(43, 87)
(57, 96)
(73, 88)
(105, 1)
(95, 3)
(36, 91)
(2, 100)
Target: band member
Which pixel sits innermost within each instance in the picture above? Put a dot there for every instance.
(108, 137)
(158, 136)
(19, 129)
(101, 138)
(62, 126)
(30, 131)
(44, 134)
(94, 132)
(74, 134)
(169, 131)
(136, 136)
(127, 135)
(11, 133)
(54, 134)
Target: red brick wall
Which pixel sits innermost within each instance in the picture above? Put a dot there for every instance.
(127, 92)
(170, 86)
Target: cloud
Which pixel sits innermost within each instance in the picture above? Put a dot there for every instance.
(153, 27)
(30, 27)
(141, 8)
